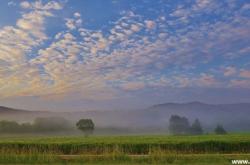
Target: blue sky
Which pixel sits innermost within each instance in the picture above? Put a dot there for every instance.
(95, 54)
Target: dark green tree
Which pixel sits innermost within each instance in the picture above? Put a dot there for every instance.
(86, 125)
(220, 130)
(196, 128)
(178, 125)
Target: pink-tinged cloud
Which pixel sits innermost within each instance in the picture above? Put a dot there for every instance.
(240, 83)
(132, 86)
(245, 73)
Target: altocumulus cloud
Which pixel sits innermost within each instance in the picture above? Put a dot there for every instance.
(203, 45)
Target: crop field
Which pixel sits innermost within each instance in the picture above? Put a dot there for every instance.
(205, 149)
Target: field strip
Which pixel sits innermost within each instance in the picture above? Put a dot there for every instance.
(147, 155)
(96, 156)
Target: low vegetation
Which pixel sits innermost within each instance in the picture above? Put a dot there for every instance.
(136, 149)
(128, 144)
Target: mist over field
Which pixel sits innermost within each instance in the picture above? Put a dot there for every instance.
(151, 120)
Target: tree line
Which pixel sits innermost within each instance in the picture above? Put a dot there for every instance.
(47, 124)
(179, 125)
(41, 124)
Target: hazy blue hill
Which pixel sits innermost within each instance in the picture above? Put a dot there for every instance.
(11, 110)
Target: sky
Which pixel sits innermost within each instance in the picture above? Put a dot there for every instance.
(71, 55)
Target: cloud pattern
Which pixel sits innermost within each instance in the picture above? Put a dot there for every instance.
(201, 44)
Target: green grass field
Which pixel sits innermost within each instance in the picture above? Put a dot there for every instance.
(206, 149)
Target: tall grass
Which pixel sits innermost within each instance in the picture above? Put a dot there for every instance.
(133, 148)
(136, 149)
(187, 159)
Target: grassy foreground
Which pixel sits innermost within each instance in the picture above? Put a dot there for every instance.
(206, 149)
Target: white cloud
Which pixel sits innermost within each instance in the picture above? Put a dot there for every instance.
(135, 28)
(11, 3)
(73, 23)
(201, 4)
(77, 15)
(25, 5)
(150, 24)
(246, 7)
(131, 56)
(16, 42)
(230, 71)
(52, 5)
(70, 24)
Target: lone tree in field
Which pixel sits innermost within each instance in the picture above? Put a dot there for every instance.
(196, 128)
(220, 130)
(178, 125)
(86, 125)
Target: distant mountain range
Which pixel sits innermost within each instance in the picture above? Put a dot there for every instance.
(235, 117)
(10, 110)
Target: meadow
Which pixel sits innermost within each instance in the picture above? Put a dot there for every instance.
(158, 149)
